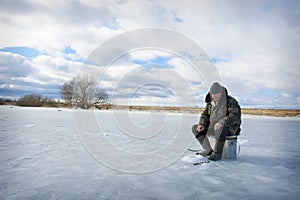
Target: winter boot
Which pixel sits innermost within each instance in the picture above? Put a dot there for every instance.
(207, 150)
(217, 154)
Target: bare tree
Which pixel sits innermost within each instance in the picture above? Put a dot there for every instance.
(81, 92)
(103, 97)
(67, 90)
(84, 91)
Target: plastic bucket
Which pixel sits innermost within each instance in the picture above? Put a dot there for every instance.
(230, 147)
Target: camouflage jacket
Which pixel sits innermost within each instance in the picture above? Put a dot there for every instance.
(227, 113)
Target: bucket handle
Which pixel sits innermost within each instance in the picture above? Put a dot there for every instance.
(239, 148)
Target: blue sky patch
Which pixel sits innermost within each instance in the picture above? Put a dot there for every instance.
(176, 18)
(159, 62)
(27, 52)
(215, 60)
(269, 92)
(69, 50)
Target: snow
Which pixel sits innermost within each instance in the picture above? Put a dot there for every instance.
(42, 157)
(192, 159)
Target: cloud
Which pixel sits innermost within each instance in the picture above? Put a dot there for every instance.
(55, 68)
(140, 83)
(43, 74)
(53, 26)
(254, 44)
(14, 65)
(148, 54)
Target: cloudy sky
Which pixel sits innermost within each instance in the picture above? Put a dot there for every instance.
(254, 45)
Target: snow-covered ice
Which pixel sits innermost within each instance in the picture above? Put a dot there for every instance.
(193, 159)
(42, 157)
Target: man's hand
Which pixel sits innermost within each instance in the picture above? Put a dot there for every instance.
(217, 126)
(200, 128)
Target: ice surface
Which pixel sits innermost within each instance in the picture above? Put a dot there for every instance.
(42, 157)
(192, 159)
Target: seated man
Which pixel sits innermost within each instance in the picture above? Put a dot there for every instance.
(221, 118)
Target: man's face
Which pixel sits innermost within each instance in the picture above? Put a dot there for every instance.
(216, 97)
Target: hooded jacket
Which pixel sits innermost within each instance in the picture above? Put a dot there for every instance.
(226, 111)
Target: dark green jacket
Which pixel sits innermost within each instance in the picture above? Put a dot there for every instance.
(227, 112)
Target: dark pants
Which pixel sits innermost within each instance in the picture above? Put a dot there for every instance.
(219, 134)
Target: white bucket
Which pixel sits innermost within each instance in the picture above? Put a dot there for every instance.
(229, 150)
(230, 146)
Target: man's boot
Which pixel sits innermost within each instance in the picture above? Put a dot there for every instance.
(207, 150)
(218, 150)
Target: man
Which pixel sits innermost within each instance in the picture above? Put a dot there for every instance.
(221, 118)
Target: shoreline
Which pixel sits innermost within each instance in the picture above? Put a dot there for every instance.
(190, 110)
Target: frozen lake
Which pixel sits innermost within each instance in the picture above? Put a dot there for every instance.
(42, 157)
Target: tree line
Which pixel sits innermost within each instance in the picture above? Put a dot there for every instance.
(80, 92)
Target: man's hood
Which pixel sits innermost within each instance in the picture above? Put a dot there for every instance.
(208, 96)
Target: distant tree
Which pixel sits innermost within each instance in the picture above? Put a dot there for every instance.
(30, 100)
(103, 97)
(81, 92)
(84, 91)
(67, 90)
(48, 102)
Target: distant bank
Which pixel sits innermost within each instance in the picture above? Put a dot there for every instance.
(251, 111)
